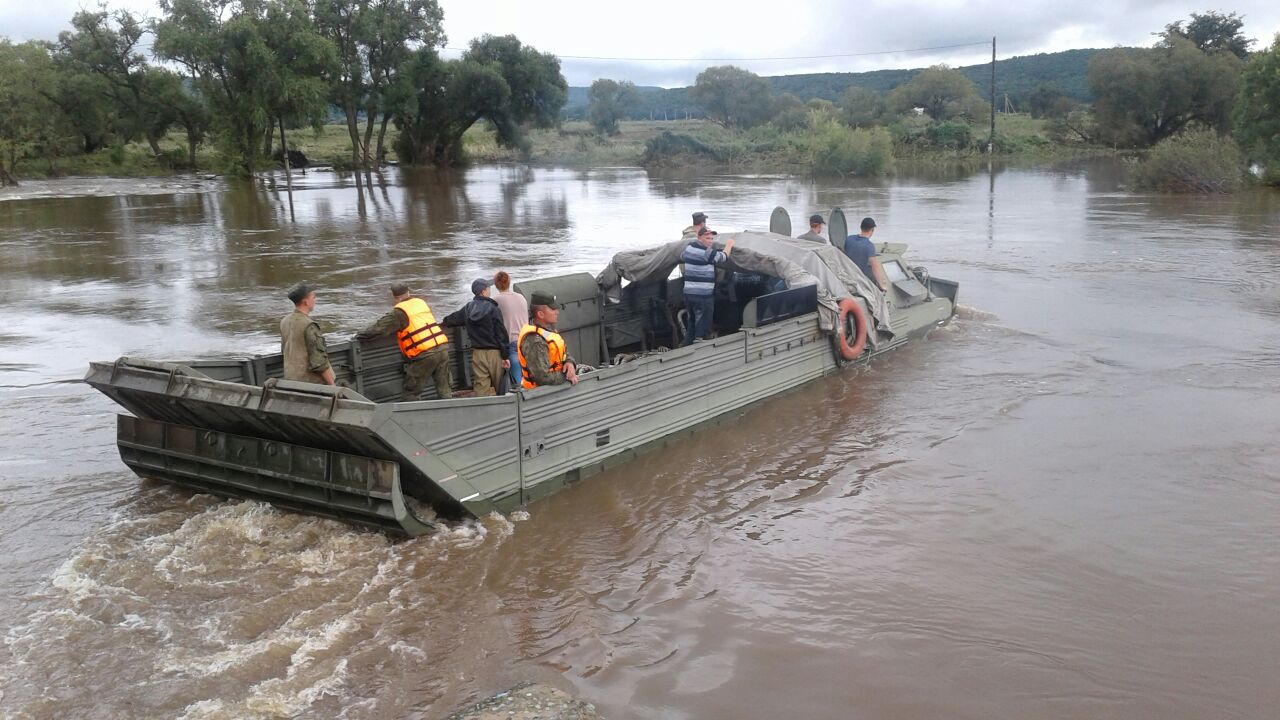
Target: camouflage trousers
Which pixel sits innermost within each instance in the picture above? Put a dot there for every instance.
(487, 371)
(430, 365)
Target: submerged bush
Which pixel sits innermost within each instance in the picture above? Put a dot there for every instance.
(1194, 161)
(678, 148)
(839, 150)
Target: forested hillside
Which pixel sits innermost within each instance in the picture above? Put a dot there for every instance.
(1017, 76)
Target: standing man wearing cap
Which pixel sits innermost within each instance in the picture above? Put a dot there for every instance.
(815, 229)
(422, 342)
(862, 252)
(544, 359)
(699, 222)
(482, 317)
(301, 342)
(699, 261)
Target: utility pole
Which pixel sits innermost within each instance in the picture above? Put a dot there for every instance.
(288, 176)
(991, 143)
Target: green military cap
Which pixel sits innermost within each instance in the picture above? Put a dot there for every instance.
(543, 298)
(299, 291)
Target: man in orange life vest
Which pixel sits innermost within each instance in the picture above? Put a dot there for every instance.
(422, 342)
(544, 360)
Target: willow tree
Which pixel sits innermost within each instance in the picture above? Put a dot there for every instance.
(106, 44)
(252, 60)
(374, 39)
(499, 80)
(733, 97)
(1257, 115)
(1144, 95)
(608, 101)
(943, 93)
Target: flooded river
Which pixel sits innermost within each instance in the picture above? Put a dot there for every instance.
(1066, 504)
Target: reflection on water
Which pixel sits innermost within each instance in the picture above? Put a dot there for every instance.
(1062, 505)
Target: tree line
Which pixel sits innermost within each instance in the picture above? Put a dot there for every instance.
(240, 72)
(1200, 74)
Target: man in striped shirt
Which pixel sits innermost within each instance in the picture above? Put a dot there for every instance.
(699, 261)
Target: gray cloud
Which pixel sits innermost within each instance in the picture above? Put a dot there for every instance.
(756, 28)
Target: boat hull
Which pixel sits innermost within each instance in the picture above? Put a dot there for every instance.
(400, 467)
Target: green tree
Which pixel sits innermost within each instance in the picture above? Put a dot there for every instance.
(79, 97)
(105, 44)
(29, 122)
(861, 107)
(789, 114)
(733, 97)
(944, 94)
(1044, 101)
(1211, 32)
(297, 83)
(499, 80)
(374, 39)
(1146, 95)
(1257, 115)
(394, 29)
(608, 101)
(253, 60)
(188, 109)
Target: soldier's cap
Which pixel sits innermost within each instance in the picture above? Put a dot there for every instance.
(398, 289)
(699, 217)
(540, 297)
(479, 284)
(867, 223)
(299, 291)
(816, 219)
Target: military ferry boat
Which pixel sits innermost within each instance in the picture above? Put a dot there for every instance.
(788, 311)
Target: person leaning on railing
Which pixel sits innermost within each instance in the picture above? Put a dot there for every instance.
(544, 359)
(422, 342)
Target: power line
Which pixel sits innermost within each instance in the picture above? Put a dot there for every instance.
(985, 43)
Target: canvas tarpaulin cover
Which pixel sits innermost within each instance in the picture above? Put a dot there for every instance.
(797, 262)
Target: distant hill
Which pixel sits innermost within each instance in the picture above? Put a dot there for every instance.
(1017, 76)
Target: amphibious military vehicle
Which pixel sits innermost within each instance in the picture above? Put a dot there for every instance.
(788, 311)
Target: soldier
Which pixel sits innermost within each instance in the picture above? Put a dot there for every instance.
(301, 342)
(699, 222)
(544, 359)
(422, 342)
(482, 317)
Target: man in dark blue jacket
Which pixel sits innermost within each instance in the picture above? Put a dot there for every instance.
(699, 261)
(483, 320)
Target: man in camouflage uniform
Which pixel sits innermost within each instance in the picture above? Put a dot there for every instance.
(301, 342)
(699, 222)
(544, 357)
(432, 364)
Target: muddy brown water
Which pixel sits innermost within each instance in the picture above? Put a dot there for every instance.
(1064, 505)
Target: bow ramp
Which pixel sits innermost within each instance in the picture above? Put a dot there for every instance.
(312, 448)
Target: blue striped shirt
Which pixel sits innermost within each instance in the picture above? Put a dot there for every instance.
(700, 268)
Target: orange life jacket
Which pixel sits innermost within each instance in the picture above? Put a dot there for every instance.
(423, 332)
(555, 351)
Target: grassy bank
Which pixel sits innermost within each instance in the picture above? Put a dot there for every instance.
(330, 146)
(576, 144)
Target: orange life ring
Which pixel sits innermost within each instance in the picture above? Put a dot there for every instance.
(845, 350)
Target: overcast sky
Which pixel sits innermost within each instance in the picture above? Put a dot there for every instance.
(689, 36)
